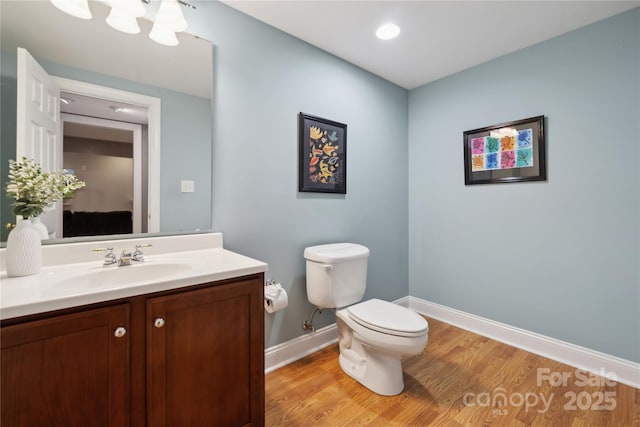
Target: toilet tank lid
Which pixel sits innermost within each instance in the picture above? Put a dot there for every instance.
(336, 252)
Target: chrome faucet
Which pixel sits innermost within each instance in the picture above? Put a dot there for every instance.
(138, 256)
(109, 258)
(126, 258)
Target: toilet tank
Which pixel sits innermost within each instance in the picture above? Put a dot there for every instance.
(336, 274)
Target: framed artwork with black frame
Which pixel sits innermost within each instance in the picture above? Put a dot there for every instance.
(322, 151)
(507, 152)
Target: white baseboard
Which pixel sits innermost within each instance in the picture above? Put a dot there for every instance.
(282, 354)
(626, 372)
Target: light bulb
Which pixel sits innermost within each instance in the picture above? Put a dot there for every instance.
(77, 8)
(170, 16)
(163, 35)
(123, 15)
(123, 22)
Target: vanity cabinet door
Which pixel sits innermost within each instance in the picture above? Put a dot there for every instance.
(67, 370)
(205, 357)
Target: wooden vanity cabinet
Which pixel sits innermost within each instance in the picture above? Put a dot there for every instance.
(190, 357)
(205, 357)
(67, 370)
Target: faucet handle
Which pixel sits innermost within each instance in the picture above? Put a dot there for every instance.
(109, 257)
(137, 255)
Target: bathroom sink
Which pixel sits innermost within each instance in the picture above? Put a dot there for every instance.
(120, 276)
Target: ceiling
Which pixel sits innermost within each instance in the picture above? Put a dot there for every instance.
(103, 108)
(437, 38)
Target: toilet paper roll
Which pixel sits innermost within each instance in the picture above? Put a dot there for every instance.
(275, 298)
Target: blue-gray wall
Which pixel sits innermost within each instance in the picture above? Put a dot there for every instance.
(263, 79)
(560, 257)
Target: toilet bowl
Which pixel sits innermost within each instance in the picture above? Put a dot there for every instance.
(374, 336)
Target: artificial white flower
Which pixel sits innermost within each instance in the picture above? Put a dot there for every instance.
(34, 190)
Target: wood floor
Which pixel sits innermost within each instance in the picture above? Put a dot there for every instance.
(461, 379)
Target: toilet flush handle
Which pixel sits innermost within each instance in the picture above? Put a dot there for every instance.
(327, 267)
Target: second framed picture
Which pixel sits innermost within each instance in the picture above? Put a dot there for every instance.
(507, 152)
(322, 151)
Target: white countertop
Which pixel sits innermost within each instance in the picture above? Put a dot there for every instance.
(63, 285)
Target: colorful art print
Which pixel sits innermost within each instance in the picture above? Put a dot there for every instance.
(322, 162)
(506, 149)
(508, 152)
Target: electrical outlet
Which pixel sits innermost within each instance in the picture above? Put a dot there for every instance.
(187, 186)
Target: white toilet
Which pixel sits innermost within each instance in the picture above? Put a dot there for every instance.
(373, 335)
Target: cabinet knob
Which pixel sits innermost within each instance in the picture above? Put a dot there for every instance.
(120, 332)
(158, 322)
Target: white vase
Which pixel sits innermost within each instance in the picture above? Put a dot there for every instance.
(24, 253)
(40, 227)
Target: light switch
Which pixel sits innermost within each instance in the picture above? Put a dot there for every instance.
(187, 186)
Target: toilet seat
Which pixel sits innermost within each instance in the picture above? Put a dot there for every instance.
(388, 318)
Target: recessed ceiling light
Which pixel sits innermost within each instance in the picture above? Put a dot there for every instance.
(388, 31)
(66, 101)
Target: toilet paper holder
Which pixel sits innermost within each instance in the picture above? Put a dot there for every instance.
(275, 297)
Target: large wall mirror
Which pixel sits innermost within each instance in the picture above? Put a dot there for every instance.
(112, 124)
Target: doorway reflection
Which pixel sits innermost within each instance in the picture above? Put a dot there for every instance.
(105, 147)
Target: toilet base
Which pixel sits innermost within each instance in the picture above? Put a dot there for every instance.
(376, 368)
(380, 373)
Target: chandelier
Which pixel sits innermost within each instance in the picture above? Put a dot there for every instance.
(125, 13)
